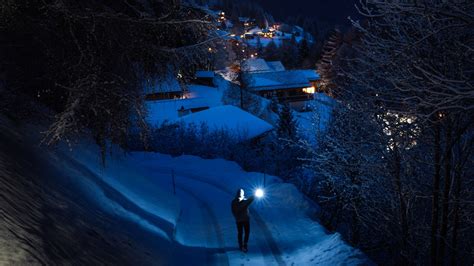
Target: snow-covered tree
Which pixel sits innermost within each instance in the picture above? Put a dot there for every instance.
(287, 124)
(87, 61)
(326, 66)
(410, 77)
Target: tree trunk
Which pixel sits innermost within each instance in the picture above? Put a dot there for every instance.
(446, 191)
(463, 155)
(402, 204)
(456, 212)
(435, 202)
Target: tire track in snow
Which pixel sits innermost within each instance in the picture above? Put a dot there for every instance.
(261, 223)
(222, 258)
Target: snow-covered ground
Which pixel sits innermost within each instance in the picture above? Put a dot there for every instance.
(148, 208)
(283, 230)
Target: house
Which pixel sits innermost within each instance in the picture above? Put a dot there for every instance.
(247, 22)
(163, 88)
(271, 79)
(197, 98)
(255, 65)
(205, 77)
(313, 77)
(237, 122)
(287, 86)
(170, 110)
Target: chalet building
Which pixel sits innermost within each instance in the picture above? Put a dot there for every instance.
(271, 79)
(163, 89)
(247, 22)
(205, 77)
(313, 78)
(257, 31)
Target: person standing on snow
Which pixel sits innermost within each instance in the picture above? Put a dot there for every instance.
(240, 210)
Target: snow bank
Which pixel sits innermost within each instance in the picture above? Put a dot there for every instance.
(145, 189)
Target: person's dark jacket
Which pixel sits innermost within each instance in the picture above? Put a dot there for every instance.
(240, 209)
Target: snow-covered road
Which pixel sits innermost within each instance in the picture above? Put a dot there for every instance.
(282, 230)
(217, 223)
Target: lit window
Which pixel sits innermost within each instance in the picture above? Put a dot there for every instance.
(310, 90)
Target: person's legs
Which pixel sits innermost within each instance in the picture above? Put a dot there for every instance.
(240, 227)
(246, 226)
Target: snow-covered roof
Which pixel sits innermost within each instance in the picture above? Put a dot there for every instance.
(254, 30)
(255, 65)
(233, 119)
(166, 84)
(276, 80)
(276, 65)
(310, 74)
(204, 74)
(167, 110)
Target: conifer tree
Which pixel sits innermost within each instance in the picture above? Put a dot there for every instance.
(286, 123)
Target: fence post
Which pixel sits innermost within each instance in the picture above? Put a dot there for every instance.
(264, 178)
(174, 183)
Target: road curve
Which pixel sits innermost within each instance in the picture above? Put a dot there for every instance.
(270, 241)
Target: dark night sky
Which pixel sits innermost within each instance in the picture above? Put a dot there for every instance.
(330, 11)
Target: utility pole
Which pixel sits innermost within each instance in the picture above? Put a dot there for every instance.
(241, 84)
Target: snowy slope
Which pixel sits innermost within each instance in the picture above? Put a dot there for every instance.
(55, 211)
(63, 207)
